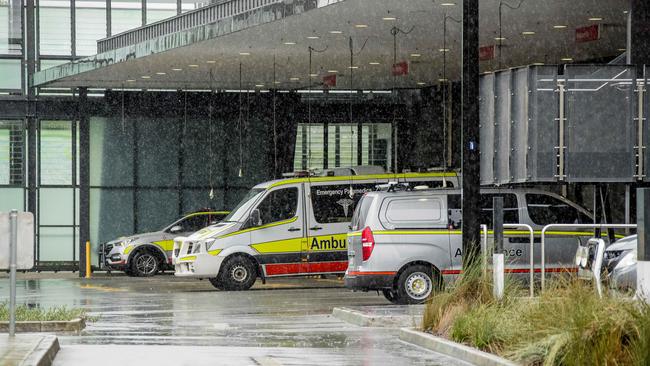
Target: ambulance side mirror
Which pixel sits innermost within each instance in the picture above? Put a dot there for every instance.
(176, 229)
(256, 218)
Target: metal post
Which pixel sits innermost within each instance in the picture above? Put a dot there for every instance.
(13, 244)
(470, 133)
(84, 179)
(561, 120)
(627, 207)
(643, 243)
(498, 260)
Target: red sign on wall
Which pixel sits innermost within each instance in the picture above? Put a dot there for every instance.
(401, 68)
(486, 53)
(588, 34)
(329, 80)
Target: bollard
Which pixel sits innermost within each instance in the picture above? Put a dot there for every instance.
(13, 245)
(87, 259)
(498, 260)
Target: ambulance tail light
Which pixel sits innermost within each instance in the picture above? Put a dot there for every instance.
(367, 243)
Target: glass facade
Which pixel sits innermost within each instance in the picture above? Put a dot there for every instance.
(342, 145)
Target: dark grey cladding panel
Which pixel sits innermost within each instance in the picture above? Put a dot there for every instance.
(486, 117)
(502, 126)
(601, 106)
(519, 125)
(543, 108)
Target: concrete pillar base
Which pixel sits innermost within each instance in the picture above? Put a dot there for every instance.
(643, 280)
(498, 267)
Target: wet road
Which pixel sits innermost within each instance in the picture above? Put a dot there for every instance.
(169, 321)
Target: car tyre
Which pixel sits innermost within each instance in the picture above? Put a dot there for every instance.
(216, 282)
(416, 284)
(144, 264)
(391, 295)
(237, 274)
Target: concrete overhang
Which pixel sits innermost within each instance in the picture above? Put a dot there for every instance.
(272, 46)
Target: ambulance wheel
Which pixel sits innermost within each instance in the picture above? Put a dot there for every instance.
(415, 285)
(216, 283)
(237, 274)
(144, 264)
(390, 295)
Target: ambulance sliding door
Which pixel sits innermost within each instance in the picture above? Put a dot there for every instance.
(328, 220)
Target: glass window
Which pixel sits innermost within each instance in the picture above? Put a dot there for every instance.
(156, 208)
(332, 203)
(510, 208)
(160, 9)
(414, 210)
(10, 27)
(12, 152)
(90, 26)
(196, 222)
(342, 145)
(125, 15)
(12, 198)
(544, 209)
(56, 152)
(54, 23)
(188, 5)
(111, 152)
(158, 148)
(56, 244)
(10, 76)
(237, 213)
(111, 215)
(279, 205)
(361, 212)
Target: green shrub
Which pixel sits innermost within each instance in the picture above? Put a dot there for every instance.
(569, 324)
(26, 313)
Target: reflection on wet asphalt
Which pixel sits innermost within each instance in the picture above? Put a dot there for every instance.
(285, 322)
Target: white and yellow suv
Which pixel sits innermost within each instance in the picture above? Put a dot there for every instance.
(145, 254)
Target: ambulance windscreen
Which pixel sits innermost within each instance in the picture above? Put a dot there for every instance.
(237, 214)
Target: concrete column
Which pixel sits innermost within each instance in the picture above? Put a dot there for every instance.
(643, 243)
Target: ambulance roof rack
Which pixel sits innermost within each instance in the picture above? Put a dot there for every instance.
(336, 172)
(393, 187)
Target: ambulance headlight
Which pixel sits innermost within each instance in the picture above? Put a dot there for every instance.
(208, 244)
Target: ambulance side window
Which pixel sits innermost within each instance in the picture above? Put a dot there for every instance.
(279, 205)
(544, 209)
(510, 208)
(332, 203)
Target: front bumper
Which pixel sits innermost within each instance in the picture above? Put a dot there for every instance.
(368, 281)
(191, 259)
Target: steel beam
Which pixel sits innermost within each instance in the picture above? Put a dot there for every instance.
(470, 131)
(84, 178)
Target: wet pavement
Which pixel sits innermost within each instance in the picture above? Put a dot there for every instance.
(170, 321)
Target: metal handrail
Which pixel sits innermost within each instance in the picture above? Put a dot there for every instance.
(484, 230)
(577, 226)
(190, 19)
(532, 248)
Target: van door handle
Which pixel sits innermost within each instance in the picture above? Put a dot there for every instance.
(294, 229)
(315, 228)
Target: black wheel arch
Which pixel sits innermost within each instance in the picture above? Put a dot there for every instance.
(156, 251)
(254, 261)
(435, 271)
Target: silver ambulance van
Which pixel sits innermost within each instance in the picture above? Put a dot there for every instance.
(408, 243)
(288, 227)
